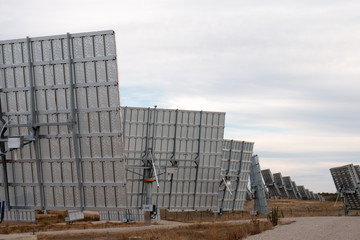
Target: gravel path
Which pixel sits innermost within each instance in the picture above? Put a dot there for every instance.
(329, 228)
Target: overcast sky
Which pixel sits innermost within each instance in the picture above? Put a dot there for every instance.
(285, 72)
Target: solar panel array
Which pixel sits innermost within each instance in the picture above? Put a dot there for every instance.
(281, 185)
(60, 96)
(235, 172)
(347, 183)
(303, 193)
(270, 183)
(71, 147)
(187, 147)
(223, 172)
(257, 188)
(289, 187)
(284, 187)
(296, 190)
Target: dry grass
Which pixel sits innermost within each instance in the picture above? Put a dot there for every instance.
(55, 221)
(287, 207)
(197, 231)
(303, 208)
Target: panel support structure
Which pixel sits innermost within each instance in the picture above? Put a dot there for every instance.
(74, 126)
(225, 177)
(35, 129)
(60, 97)
(173, 157)
(197, 159)
(3, 160)
(238, 177)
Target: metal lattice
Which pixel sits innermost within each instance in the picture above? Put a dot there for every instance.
(60, 97)
(235, 171)
(187, 151)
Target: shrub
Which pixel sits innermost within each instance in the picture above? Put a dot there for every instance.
(274, 215)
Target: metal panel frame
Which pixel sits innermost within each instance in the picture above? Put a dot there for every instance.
(270, 183)
(60, 94)
(302, 191)
(235, 172)
(20, 215)
(347, 181)
(257, 188)
(296, 190)
(280, 184)
(289, 187)
(187, 152)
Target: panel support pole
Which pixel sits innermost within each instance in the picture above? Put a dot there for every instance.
(144, 158)
(3, 160)
(34, 128)
(124, 125)
(173, 161)
(150, 170)
(227, 173)
(74, 125)
(238, 175)
(197, 160)
(173, 156)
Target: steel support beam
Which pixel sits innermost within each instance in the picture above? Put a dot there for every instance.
(227, 173)
(3, 161)
(34, 128)
(173, 157)
(197, 159)
(74, 127)
(238, 177)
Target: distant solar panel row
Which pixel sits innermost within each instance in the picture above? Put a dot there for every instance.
(78, 150)
(284, 187)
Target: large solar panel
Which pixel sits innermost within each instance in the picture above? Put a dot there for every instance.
(345, 177)
(302, 192)
(289, 187)
(316, 196)
(270, 183)
(296, 190)
(346, 182)
(357, 170)
(187, 151)
(280, 184)
(312, 195)
(60, 96)
(257, 187)
(235, 171)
